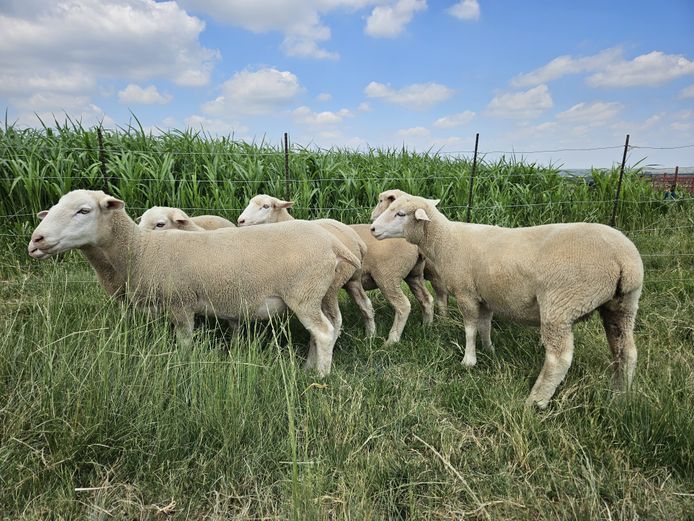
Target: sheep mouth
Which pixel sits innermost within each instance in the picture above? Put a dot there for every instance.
(378, 235)
(46, 251)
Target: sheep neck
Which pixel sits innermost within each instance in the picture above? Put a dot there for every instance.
(429, 236)
(109, 278)
(113, 259)
(282, 215)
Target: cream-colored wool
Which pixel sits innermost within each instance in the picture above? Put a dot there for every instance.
(167, 218)
(384, 266)
(549, 276)
(384, 200)
(231, 273)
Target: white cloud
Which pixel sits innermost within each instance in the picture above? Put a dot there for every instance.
(687, 92)
(255, 92)
(214, 126)
(389, 21)
(654, 68)
(88, 115)
(595, 113)
(414, 132)
(418, 96)
(324, 96)
(455, 120)
(147, 96)
(299, 22)
(565, 65)
(610, 69)
(465, 10)
(681, 126)
(364, 107)
(306, 116)
(528, 104)
(69, 46)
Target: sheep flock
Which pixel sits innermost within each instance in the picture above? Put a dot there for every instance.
(549, 276)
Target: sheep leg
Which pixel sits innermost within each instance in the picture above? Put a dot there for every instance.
(363, 302)
(416, 284)
(558, 340)
(331, 309)
(439, 290)
(401, 304)
(618, 321)
(322, 339)
(183, 323)
(470, 310)
(484, 326)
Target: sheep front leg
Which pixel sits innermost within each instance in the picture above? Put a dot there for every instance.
(559, 345)
(401, 304)
(183, 323)
(416, 284)
(363, 302)
(470, 310)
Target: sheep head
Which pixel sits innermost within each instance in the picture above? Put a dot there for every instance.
(263, 209)
(385, 199)
(77, 220)
(164, 218)
(403, 216)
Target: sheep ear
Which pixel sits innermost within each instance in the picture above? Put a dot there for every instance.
(421, 215)
(283, 204)
(111, 203)
(180, 217)
(42, 214)
(138, 219)
(391, 198)
(434, 202)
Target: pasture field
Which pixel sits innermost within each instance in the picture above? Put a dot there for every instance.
(103, 417)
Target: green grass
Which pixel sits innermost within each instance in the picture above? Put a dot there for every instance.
(96, 396)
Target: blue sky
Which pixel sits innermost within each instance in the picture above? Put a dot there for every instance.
(532, 75)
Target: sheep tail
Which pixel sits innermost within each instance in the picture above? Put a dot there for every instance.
(630, 277)
(343, 252)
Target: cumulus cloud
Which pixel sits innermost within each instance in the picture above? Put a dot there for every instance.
(455, 120)
(389, 21)
(149, 95)
(69, 46)
(299, 22)
(654, 68)
(528, 104)
(414, 132)
(88, 115)
(418, 96)
(324, 96)
(465, 10)
(213, 125)
(608, 68)
(687, 92)
(255, 92)
(594, 113)
(308, 117)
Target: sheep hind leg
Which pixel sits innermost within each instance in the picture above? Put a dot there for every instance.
(401, 304)
(322, 339)
(416, 284)
(184, 322)
(363, 302)
(559, 346)
(618, 320)
(484, 326)
(441, 294)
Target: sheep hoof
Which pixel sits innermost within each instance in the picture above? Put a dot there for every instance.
(532, 403)
(469, 361)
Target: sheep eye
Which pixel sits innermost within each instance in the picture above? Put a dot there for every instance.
(266, 206)
(83, 211)
(159, 225)
(400, 214)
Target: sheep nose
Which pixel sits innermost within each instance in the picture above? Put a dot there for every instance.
(37, 238)
(242, 221)
(373, 229)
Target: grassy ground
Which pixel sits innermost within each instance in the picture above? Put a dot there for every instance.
(102, 417)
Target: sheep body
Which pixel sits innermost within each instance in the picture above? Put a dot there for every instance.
(549, 276)
(384, 265)
(232, 273)
(166, 218)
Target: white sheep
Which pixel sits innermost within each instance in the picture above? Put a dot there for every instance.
(167, 218)
(231, 273)
(441, 299)
(549, 276)
(384, 266)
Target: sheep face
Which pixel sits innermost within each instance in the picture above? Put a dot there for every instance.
(75, 221)
(164, 218)
(384, 201)
(402, 216)
(263, 209)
